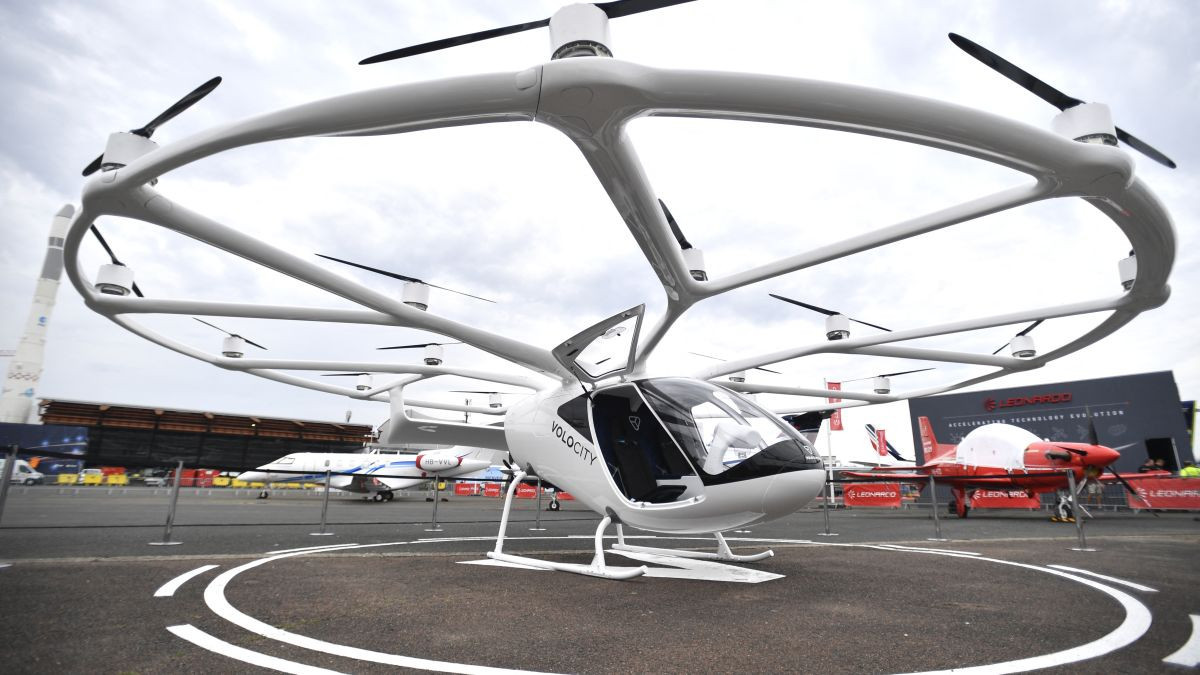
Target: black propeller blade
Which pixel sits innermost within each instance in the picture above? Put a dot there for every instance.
(1048, 94)
(683, 242)
(401, 277)
(248, 341)
(179, 106)
(339, 374)
(614, 10)
(717, 358)
(472, 391)
(1023, 332)
(827, 312)
(903, 372)
(1129, 488)
(421, 345)
(108, 249)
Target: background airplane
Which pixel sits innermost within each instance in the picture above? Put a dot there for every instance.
(1002, 457)
(377, 472)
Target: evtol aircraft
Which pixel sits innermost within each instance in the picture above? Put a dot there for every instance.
(377, 472)
(1003, 457)
(667, 454)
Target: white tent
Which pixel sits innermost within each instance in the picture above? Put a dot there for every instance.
(996, 445)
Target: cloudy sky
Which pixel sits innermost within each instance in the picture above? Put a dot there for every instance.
(511, 212)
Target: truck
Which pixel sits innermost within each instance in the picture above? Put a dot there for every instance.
(23, 473)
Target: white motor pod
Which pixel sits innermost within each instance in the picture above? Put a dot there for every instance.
(882, 385)
(694, 258)
(494, 401)
(124, 147)
(579, 30)
(739, 376)
(363, 382)
(114, 279)
(837, 327)
(433, 355)
(1086, 123)
(1022, 347)
(415, 294)
(1127, 268)
(233, 347)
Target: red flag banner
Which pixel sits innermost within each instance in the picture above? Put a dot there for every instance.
(526, 491)
(491, 489)
(1004, 499)
(835, 420)
(885, 495)
(881, 442)
(1162, 493)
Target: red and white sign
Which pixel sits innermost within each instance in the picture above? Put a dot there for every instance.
(886, 495)
(1004, 499)
(835, 420)
(881, 442)
(525, 491)
(491, 489)
(1164, 493)
(466, 489)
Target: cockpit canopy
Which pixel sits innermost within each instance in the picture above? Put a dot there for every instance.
(663, 439)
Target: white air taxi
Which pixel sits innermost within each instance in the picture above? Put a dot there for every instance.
(378, 472)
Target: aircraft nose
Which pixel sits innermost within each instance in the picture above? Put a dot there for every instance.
(788, 492)
(1101, 456)
(250, 476)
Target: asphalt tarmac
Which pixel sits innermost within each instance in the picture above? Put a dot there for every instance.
(878, 597)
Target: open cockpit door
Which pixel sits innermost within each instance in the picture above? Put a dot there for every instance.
(606, 349)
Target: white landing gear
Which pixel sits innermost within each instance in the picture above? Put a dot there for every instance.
(723, 552)
(596, 569)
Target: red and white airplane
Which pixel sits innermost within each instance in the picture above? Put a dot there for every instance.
(1002, 457)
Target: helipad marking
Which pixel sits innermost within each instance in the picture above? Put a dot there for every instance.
(926, 549)
(1136, 587)
(201, 639)
(214, 597)
(1189, 653)
(309, 549)
(1135, 624)
(168, 589)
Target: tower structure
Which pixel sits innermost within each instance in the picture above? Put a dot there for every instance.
(25, 368)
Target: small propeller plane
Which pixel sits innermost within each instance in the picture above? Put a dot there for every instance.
(1004, 457)
(376, 473)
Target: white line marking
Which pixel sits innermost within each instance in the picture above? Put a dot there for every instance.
(214, 596)
(308, 548)
(1189, 653)
(898, 547)
(168, 589)
(1136, 587)
(201, 639)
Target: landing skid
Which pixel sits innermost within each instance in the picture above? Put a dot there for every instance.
(723, 552)
(596, 569)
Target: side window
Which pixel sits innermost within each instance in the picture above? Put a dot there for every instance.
(574, 412)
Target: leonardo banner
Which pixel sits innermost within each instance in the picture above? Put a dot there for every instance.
(1166, 493)
(885, 495)
(1004, 499)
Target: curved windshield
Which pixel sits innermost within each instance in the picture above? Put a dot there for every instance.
(725, 434)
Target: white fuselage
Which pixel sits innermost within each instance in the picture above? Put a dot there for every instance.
(566, 456)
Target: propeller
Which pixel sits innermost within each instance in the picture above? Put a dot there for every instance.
(717, 358)
(108, 249)
(400, 277)
(339, 374)
(472, 391)
(1049, 94)
(248, 341)
(826, 312)
(903, 372)
(421, 345)
(614, 10)
(683, 242)
(150, 127)
(1023, 332)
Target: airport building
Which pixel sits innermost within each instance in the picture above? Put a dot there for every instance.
(1139, 415)
(131, 436)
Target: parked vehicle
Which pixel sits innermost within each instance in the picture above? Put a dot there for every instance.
(23, 473)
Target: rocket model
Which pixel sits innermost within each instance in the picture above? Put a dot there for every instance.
(16, 400)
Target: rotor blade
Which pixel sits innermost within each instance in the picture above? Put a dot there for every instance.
(136, 291)
(683, 242)
(1030, 327)
(1143, 147)
(179, 106)
(94, 166)
(453, 42)
(1001, 347)
(217, 327)
(776, 372)
(401, 277)
(1092, 437)
(423, 344)
(1130, 489)
(107, 248)
(252, 342)
(619, 8)
(906, 372)
(1038, 88)
(342, 374)
(822, 310)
